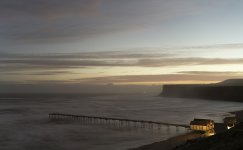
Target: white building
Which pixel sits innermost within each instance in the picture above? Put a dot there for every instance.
(202, 124)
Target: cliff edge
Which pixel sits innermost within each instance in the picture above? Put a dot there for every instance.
(230, 90)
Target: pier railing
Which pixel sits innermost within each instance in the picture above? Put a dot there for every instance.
(114, 121)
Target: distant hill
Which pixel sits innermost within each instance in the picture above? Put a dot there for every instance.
(231, 82)
(228, 90)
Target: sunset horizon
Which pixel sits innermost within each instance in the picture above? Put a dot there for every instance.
(121, 74)
(103, 42)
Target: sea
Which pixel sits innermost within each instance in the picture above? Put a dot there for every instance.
(24, 122)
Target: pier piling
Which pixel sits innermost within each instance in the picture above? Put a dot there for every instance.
(119, 122)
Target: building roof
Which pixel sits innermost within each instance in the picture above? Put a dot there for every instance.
(203, 122)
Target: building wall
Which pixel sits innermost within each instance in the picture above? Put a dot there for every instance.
(200, 127)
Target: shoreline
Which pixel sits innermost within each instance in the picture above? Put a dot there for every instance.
(170, 143)
(177, 141)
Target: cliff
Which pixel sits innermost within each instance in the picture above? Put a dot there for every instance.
(230, 90)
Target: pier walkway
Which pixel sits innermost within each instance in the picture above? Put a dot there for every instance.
(114, 121)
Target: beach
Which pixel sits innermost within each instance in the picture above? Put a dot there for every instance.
(171, 142)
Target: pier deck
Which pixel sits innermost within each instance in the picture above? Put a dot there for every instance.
(120, 121)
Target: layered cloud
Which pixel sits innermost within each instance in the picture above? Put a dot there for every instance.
(38, 40)
(62, 20)
(47, 9)
(176, 78)
(61, 64)
(132, 66)
(106, 59)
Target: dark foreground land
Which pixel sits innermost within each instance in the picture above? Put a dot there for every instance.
(223, 140)
(170, 143)
(229, 140)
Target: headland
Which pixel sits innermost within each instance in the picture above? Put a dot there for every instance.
(228, 90)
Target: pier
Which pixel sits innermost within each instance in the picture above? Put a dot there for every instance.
(115, 121)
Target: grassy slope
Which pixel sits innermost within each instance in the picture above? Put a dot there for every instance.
(229, 140)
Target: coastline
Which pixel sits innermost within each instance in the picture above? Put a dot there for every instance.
(179, 140)
(171, 142)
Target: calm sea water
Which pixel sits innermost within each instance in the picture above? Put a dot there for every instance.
(24, 122)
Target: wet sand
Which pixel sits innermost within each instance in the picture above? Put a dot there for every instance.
(171, 142)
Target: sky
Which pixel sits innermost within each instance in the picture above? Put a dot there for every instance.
(75, 44)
